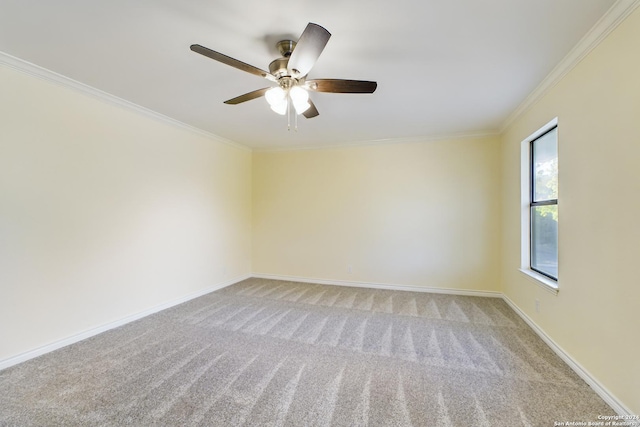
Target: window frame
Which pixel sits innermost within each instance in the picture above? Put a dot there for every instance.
(527, 197)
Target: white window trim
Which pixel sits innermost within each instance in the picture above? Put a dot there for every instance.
(525, 183)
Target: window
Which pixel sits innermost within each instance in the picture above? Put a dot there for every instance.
(543, 208)
(539, 167)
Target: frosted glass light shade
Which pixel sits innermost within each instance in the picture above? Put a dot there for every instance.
(275, 95)
(280, 108)
(300, 99)
(277, 99)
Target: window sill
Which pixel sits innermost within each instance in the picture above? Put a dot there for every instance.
(540, 280)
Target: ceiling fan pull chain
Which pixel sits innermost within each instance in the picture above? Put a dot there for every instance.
(288, 113)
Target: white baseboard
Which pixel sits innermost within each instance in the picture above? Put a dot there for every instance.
(23, 357)
(600, 390)
(387, 286)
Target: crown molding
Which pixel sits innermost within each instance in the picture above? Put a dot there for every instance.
(617, 13)
(385, 141)
(53, 77)
(37, 71)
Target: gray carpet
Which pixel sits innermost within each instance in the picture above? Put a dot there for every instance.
(271, 353)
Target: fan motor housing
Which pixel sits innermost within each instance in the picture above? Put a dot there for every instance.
(278, 67)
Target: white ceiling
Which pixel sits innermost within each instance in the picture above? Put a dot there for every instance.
(443, 67)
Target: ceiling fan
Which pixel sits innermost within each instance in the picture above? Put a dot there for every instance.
(290, 73)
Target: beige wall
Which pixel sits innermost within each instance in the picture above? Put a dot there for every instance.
(417, 214)
(595, 316)
(105, 213)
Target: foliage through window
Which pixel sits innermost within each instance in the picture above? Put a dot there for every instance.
(544, 204)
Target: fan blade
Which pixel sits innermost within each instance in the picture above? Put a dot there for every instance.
(311, 111)
(247, 96)
(341, 86)
(309, 47)
(231, 61)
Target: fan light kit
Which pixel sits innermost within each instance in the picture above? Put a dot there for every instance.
(279, 99)
(290, 73)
